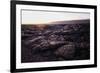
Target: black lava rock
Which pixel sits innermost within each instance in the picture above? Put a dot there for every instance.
(56, 42)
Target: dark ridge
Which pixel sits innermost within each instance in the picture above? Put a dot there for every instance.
(85, 21)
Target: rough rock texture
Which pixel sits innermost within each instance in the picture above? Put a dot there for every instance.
(56, 42)
(66, 51)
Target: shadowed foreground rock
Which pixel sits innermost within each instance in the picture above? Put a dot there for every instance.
(56, 42)
(66, 51)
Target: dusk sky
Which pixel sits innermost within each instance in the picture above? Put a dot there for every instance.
(40, 17)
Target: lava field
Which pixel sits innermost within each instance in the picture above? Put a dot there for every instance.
(55, 42)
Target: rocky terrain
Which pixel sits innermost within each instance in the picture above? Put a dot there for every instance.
(59, 41)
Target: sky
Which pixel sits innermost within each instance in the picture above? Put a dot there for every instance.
(43, 17)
